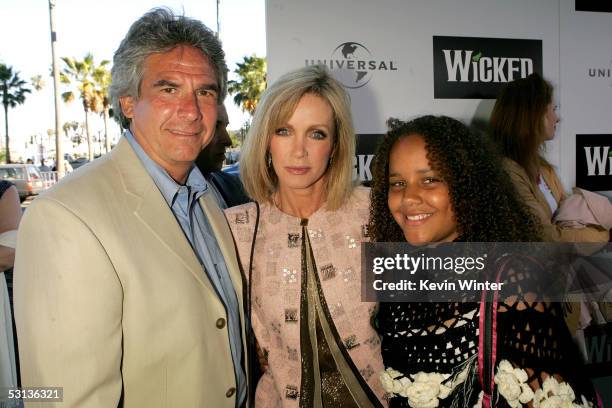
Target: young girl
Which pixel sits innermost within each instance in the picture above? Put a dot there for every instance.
(435, 181)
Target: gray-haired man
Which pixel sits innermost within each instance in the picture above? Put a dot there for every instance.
(127, 287)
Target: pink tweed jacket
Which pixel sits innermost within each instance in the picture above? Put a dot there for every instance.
(335, 238)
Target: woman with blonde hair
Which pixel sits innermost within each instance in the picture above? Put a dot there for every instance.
(299, 245)
(523, 119)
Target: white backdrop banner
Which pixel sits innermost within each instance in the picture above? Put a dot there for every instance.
(586, 94)
(404, 59)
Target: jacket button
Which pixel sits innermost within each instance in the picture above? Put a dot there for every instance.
(230, 392)
(220, 324)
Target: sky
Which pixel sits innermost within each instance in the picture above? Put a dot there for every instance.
(98, 26)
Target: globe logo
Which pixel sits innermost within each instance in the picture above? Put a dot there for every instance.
(352, 64)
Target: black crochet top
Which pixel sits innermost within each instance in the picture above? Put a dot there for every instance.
(443, 338)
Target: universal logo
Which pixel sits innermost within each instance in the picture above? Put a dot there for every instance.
(353, 64)
(601, 73)
(477, 68)
(594, 162)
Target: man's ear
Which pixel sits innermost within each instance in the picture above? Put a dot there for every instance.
(127, 106)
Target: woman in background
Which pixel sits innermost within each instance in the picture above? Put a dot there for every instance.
(523, 120)
(299, 245)
(434, 182)
(10, 215)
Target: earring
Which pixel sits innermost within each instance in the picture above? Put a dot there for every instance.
(269, 159)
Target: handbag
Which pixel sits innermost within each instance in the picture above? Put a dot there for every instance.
(487, 337)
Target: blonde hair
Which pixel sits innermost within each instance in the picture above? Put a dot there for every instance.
(274, 110)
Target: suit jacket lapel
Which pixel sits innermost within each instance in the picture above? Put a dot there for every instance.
(151, 209)
(226, 243)
(223, 234)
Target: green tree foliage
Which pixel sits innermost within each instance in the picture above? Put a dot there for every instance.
(38, 82)
(248, 89)
(13, 90)
(102, 78)
(72, 131)
(236, 142)
(81, 77)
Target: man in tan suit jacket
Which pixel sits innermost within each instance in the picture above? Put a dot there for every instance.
(127, 288)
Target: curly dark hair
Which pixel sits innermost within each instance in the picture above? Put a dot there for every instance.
(482, 196)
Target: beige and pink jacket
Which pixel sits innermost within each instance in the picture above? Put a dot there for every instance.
(335, 238)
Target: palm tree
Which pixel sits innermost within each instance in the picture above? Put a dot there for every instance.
(102, 77)
(38, 82)
(13, 91)
(79, 74)
(70, 126)
(247, 91)
(70, 130)
(50, 134)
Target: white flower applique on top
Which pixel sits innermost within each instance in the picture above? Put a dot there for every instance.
(426, 390)
(512, 385)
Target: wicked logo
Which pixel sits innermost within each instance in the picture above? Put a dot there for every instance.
(477, 68)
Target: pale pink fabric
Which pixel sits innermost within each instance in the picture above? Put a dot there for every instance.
(585, 208)
(335, 238)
